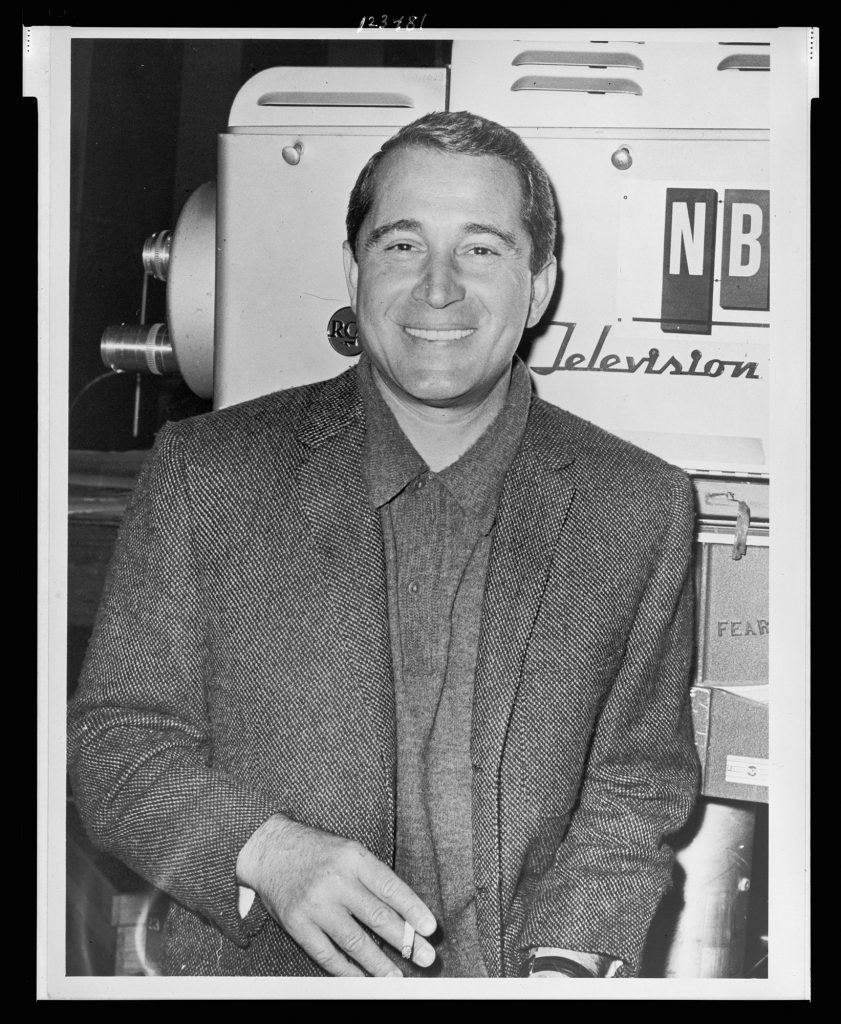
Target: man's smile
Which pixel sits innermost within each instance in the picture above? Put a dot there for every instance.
(448, 334)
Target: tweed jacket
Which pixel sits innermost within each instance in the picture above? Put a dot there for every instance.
(241, 666)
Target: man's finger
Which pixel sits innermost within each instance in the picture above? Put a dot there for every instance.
(325, 954)
(388, 924)
(353, 941)
(386, 886)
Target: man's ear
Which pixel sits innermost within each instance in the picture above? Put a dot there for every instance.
(542, 286)
(351, 272)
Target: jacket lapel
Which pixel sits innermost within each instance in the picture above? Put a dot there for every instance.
(532, 512)
(347, 542)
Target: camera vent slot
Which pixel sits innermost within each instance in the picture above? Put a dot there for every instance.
(335, 99)
(746, 62)
(598, 86)
(588, 59)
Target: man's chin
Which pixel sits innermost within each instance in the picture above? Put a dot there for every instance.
(436, 387)
(445, 394)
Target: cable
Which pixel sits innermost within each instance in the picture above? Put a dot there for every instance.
(90, 384)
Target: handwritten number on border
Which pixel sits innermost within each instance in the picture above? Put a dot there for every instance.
(397, 24)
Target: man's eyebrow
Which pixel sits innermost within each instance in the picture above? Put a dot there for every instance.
(471, 228)
(491, 229)
(387, 229)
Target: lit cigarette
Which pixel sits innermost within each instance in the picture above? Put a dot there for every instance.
(408, 941)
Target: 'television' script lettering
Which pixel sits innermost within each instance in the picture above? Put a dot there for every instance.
(654, 362)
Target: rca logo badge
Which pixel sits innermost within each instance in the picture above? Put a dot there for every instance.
(692, 216)
(342, 333)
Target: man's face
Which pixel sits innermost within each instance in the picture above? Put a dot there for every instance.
(442, 286)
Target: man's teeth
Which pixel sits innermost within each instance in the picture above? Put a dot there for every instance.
(417, 332)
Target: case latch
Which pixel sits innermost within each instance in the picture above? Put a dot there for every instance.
(740, 539)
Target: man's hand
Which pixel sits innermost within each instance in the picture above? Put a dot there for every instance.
(321, 887)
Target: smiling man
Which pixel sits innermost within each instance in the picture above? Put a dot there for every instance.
(390, 677)
(441, 280)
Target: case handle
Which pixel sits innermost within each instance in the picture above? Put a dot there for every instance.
(550, 83)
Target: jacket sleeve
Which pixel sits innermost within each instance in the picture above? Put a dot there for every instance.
(641, 778)
(139, 744)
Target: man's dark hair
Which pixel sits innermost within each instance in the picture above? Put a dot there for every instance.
(471, 135)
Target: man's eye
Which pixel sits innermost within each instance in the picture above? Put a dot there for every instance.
(400, 247)
(482, 250)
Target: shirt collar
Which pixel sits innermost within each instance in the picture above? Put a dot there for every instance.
(390, 461)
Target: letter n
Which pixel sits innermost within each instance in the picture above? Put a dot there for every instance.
(688, 251)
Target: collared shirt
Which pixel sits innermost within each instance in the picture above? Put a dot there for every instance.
(437, 531)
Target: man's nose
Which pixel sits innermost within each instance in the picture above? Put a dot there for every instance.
(440, 283)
